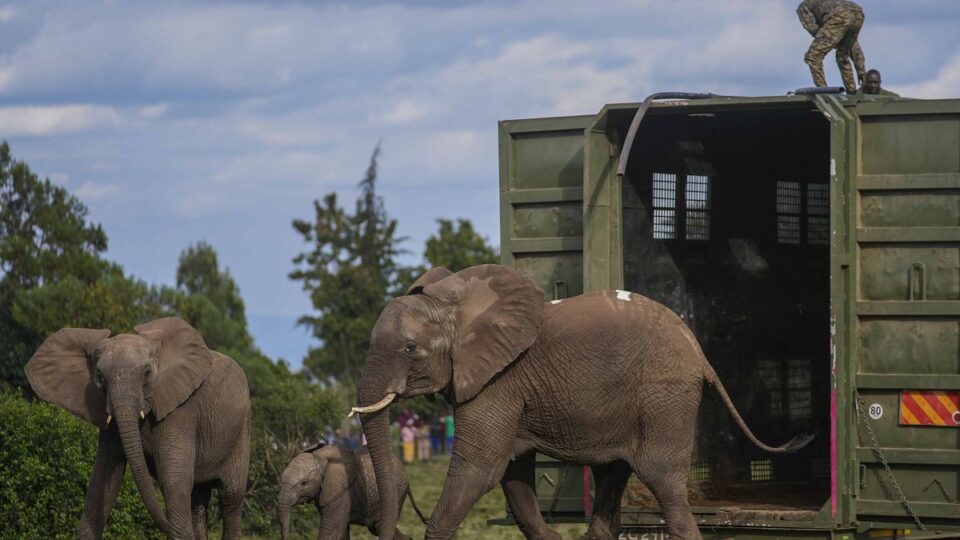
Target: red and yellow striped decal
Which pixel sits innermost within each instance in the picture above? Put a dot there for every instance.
(930, 408)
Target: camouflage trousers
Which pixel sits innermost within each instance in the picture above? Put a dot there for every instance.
(840, 30)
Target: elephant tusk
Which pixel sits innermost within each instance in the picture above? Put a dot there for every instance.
(109, 418)
(142, 416)
(373, 408)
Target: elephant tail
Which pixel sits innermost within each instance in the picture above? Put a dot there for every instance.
(790, 446)
(415, 508)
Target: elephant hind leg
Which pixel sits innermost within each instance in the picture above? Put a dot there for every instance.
(519, 488)
(611, 480)
(231, 506)
(662, 461)
(664, 470)
(200, 501)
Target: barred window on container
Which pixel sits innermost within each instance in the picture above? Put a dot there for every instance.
(818, 214)
(698, 207)
(788, 212)
(664, 206)
(689, 220)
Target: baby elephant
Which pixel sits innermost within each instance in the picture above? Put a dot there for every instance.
(342, 485)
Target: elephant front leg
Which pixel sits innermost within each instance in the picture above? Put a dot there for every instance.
(335, 519)
(519, 488)
(175, 473)
(104, 485)
(466, 483)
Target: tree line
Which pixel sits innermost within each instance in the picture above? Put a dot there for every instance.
(53, 274)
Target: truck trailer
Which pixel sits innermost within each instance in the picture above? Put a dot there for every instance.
(812, 243)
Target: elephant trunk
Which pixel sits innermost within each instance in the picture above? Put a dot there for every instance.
(285, 500)
(129, 426)
(377, 430)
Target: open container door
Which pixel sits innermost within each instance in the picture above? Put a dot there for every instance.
(541, 228)
(905, 299)
(723, 214)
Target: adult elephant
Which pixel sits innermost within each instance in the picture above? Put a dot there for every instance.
(609, 379)
(182, 415)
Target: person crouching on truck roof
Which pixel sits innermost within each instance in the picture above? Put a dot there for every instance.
(834, 24)
(871, 85)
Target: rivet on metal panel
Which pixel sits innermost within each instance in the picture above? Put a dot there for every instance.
(918, 269)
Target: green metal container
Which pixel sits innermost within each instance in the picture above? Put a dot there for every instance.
(812, 243)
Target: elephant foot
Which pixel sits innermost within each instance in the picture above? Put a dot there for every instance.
(599, 534)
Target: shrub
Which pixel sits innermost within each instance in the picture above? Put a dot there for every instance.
(46, 460)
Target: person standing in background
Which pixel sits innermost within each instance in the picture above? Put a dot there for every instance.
(408, 437)
(436, 436)
(423, 442)
(834, 24)
(449, 432)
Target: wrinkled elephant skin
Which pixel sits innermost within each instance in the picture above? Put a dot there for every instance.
(165, 405)
(608, 379)
(341, 485)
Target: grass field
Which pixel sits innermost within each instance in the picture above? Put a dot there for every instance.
(426, 482)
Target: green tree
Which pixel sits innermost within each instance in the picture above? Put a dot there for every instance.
(46, 241)
(211, 300)
(349, 272)
(458, 247)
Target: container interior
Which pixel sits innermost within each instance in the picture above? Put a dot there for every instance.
(726, 221)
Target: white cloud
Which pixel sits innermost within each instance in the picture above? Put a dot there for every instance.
(60, 177)
(201, 203)
(93, 191)
(6, 14)
(943, 85)
(152, 112)
(154, 46)
(55, 120)
(406, 111)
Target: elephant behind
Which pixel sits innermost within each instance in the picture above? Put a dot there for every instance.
(609, 379)
(342, 485)
(166, 405)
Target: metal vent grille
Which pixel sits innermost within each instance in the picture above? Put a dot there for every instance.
(768, 372)
(699, 473)
(761, 470)
(818, 212)
(664, 206)
(788, 212)
(798, 387)
(698, 204)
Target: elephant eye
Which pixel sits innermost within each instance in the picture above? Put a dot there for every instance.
(410, 348)
(98, 378)
(147, 372)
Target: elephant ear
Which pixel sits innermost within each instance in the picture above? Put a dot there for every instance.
(431, 276)
(339, 470)
(61, 372)
(183, 362)
(499, 312)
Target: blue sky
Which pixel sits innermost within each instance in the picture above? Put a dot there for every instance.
(178, 122)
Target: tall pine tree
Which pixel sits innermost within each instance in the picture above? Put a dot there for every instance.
(350, 271)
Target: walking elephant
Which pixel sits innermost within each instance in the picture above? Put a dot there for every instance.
(341, 484)
(608, 379)
(166, 405)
